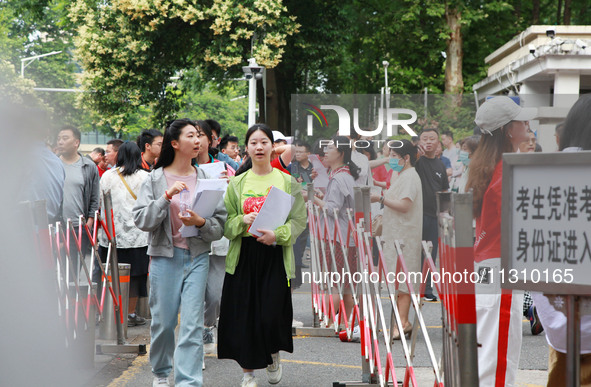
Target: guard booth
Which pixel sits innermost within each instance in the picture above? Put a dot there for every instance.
(546, 236)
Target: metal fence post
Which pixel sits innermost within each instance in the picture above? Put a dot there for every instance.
(457, 255)
(115, 268)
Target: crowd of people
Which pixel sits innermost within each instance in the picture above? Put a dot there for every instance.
(234, 288)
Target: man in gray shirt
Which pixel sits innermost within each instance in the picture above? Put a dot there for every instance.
(81, 187)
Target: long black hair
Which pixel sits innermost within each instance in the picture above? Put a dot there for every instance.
(247, 164)
(577, 127)
(129, 158)
(172, 132)
(343, 145)
(403, 148)
(204, 126)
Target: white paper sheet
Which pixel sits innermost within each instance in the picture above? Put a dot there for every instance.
(214, 170)
(273, 213)
(211, 185)
(321, 180)
(207, 195)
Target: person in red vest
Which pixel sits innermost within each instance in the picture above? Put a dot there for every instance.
(498, 311)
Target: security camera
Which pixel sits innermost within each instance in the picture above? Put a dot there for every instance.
(253, 70)
(581, 43)
(551, 32)
(257, 72)
(385, 63)
(532, 49)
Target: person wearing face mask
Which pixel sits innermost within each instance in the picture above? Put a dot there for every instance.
(403, 221)
(468, 148)
(498, 311)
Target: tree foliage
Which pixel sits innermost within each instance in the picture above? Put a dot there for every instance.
(129, 49)
(29, 28)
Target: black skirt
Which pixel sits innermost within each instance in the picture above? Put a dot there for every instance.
(256, 311)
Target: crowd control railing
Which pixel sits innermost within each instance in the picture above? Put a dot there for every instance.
(368, 320)
(60, 247)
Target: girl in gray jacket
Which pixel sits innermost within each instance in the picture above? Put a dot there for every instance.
(179, 265)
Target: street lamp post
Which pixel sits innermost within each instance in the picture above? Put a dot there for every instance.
(33, 58)
(252, 73)
(386, 89)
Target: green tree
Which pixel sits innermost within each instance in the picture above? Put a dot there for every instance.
(39, 27)
(229, 109)
(130, 49)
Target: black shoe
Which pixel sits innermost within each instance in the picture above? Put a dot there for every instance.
(430, 298)
(132, 321)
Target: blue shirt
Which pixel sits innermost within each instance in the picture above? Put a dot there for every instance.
(446, 162)
(225, 158)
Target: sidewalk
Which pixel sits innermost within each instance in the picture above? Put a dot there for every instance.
(302, 368)
(316, 361)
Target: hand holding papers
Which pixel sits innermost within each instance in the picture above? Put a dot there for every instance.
(321, 181)
(273, 213)
(207, 196)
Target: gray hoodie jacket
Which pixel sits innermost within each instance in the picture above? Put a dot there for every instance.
(152, 213)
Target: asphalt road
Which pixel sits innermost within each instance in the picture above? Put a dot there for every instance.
(316, 361)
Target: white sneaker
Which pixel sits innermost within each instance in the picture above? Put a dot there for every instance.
(356, 336)
(297, 324)
(274, 371)
(248, 381)
(159, 382)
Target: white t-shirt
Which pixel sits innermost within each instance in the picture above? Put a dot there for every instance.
(405, 227)
(453, 154)
(554, 323)
(365, 177)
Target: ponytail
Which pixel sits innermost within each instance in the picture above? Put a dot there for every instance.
(343, 145)
(245, 166)
(353, 169)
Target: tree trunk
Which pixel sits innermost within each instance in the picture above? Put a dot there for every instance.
(559, 12)
(567, 12)
(536, 12)
(278, 99)
(454, 82)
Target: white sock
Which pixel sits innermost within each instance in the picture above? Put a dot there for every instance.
(251, 373)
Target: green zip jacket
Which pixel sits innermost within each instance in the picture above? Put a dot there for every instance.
(286, 235)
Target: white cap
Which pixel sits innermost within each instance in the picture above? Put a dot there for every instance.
(499, 111)
(277, 135)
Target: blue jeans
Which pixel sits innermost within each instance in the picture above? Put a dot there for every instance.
(178, 282)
